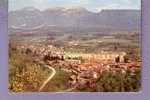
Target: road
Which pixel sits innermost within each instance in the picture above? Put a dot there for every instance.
(49, 78)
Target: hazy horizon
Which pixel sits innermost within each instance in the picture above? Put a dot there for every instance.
(91, 5)
(31, 7)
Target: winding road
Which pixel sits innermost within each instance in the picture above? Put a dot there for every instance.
(49, 78)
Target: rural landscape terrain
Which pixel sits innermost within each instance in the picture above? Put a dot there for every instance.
(74, 50)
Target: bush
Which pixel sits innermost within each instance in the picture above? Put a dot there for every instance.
(24, 74)
(120, 82)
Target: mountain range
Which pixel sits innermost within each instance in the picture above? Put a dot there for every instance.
(74, 18)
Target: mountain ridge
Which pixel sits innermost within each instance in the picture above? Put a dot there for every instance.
(75, 17)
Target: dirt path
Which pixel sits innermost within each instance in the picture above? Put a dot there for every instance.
(49, 78)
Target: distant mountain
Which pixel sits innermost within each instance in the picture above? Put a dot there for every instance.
(128, 19)
(76, 18)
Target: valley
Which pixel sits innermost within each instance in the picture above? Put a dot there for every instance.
(74, 50)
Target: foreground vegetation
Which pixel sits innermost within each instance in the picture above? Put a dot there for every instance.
(59, 83)
(120, 82)
(26, 75)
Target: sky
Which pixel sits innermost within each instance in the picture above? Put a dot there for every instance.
(91, 5)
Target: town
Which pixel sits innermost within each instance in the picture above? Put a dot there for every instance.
(84, 68)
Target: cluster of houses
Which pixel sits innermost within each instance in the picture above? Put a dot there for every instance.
(41, 51)
(86, 74)
(82, 72)
(102, 56)
(49, 52)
